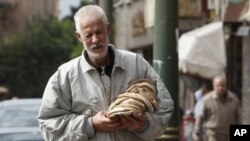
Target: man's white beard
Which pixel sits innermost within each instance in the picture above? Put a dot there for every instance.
(97, 56)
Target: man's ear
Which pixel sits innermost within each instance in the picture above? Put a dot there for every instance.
(78, 36)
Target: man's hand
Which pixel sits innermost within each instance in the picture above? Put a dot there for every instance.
(102, 123)
(133, 124)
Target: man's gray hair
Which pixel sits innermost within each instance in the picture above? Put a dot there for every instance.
(89, 11)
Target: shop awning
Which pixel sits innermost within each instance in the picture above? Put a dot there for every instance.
(202, 51)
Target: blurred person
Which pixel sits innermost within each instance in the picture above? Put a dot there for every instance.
(188, 125)
(199, 94)
(79, 93)
(4, 91)
(220, 108)
(15, 98)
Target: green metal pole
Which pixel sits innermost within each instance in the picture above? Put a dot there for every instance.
(107, 6)
(165, 57)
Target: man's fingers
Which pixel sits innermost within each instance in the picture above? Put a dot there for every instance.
(141, 116)
(132, 123)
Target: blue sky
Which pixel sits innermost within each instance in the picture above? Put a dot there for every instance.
(64, 7)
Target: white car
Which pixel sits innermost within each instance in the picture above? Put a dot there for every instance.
(19, 113)
(20, 134)
(18, 120)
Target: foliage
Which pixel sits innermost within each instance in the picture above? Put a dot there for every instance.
(27, 63)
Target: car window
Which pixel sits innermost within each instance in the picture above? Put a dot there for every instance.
(20, 116)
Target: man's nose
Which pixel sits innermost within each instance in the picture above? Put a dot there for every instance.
(95, 39)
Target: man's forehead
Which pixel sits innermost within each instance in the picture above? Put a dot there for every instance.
(91, 21)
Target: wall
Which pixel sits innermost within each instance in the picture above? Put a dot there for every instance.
(246, 80)
(15, 15)
(130, 30)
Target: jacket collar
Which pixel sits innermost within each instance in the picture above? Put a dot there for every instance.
(118, 62)
(119, 58)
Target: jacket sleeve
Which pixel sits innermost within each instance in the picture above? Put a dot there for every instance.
(158, 121)
(57, 122)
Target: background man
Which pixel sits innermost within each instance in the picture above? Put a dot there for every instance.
(220, 108)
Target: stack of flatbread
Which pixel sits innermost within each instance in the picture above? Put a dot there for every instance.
(140, 97)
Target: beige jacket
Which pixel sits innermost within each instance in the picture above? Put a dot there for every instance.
(217, 115)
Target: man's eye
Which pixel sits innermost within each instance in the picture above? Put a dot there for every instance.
(87, 36)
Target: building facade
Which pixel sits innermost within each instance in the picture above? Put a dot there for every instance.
(16, 15)
(134, 25)
(132, 29)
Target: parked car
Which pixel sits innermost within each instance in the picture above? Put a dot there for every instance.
(18, 120)
(19, 113)
(20, 134)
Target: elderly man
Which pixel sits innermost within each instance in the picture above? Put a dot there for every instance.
(78, 95)
(220, 108)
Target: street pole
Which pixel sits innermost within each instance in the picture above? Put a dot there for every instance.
(166, 59)
(107, 6)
